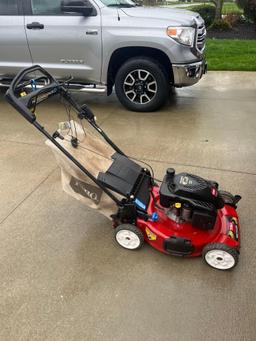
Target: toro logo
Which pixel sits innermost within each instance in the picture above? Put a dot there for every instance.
(89, 191)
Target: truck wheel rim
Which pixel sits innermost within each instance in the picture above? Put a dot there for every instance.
(220, 259)
(140, 86)
(128, 239)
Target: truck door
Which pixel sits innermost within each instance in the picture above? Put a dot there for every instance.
(14, 51)
(66, 44)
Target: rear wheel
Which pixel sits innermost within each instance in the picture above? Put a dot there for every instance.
(220, 256)
(142, 85)
(129, 236)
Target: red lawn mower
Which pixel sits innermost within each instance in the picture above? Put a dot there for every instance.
(185, 215)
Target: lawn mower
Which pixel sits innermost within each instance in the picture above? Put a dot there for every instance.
(182, 215)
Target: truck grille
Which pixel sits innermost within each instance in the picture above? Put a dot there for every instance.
(201, 36)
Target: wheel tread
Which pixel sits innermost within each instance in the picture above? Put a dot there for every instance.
(223, 247)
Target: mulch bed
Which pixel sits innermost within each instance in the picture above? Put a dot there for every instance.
(242, 31)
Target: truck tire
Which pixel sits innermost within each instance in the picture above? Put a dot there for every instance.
(142, 85)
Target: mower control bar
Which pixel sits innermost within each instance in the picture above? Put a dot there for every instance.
(25, 92)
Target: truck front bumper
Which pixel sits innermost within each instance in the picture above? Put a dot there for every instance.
(188, 74)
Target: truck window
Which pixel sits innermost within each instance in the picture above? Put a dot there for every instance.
(8, 7)
(46, 7)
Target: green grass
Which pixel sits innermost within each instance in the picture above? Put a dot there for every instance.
(228, 7)
(231, 7)
(232, 55)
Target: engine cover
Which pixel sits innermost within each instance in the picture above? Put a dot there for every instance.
(201, 195)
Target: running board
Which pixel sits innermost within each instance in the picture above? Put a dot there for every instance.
(91, 88)
(88, 88)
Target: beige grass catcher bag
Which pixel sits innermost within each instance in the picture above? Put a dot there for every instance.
(95, 155)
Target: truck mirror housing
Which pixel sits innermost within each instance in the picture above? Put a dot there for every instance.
(73, 6)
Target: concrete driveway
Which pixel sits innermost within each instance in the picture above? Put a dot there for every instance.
(63, 278)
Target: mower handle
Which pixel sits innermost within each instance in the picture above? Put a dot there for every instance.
(23, 101)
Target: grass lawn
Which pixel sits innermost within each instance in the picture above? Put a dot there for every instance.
(233, 55)
(231, 7)
(228, 7)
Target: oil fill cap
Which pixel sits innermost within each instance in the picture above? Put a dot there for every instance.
(170, 172)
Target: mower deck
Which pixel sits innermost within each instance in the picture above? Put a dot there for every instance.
(182, 239)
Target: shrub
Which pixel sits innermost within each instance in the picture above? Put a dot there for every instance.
(207, 12)
(249, 7)
(233, 19)
(221, 25)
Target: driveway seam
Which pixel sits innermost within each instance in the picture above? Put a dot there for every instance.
(105, 119)
(28, 195)
(245, 99)
(196, 166)
(21, 142)
(152, 160)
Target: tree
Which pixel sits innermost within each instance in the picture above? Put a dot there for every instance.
(152, 2)
(249, 7)
(218, 5)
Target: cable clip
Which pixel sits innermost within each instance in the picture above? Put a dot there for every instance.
(74, 142)
(56, 134)
(33, 85)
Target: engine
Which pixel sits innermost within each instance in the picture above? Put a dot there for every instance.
(190, 198)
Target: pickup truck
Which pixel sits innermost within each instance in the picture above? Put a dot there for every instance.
(103, 44)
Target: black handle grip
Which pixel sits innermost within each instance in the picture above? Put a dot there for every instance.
(35, 26)
(23, 104)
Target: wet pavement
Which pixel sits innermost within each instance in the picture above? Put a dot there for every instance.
(62, 275)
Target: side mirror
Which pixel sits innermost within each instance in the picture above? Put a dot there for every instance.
(73, 6)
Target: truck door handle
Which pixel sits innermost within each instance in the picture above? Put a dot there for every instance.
(35, 26)
(92, 32)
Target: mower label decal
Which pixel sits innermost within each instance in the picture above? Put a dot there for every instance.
(88, 191)
(140, 204)
(150, 234)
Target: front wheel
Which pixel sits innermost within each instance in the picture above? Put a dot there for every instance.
(142, 85)
(220, 256)
(129, 236)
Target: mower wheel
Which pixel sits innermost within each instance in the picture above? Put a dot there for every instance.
(129, 236)
(220, 256)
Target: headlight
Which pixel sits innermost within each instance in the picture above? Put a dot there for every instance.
(183, 35)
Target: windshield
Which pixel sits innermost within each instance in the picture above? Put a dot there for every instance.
(119, 3)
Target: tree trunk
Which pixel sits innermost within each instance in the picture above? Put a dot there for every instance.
(149, 2)
(153, 2)
(218, 6)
